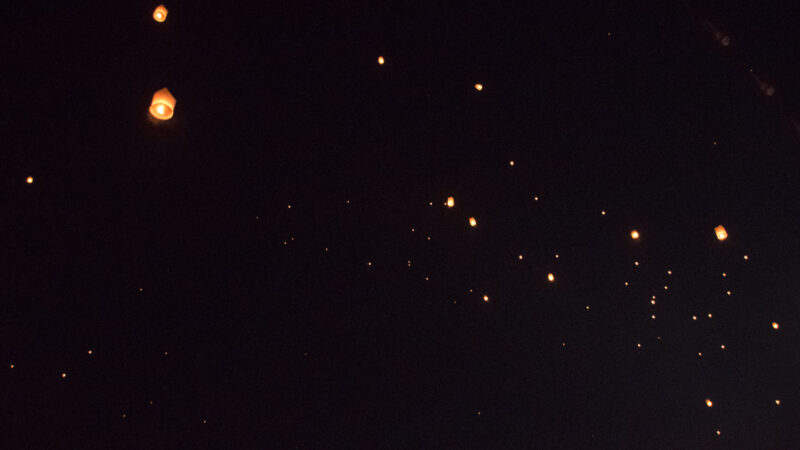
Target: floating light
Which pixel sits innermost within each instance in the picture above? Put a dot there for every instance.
(478, 87)
(160, 14)
(775, 325)
(451, 202)
(709, 403)
(163, 105)
(634, 234)
(380, 60)
(29, 180)
(473, 222)
(721, 233)
(551, 277)
(486, 298)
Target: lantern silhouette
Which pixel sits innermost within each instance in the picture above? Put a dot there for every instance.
(160, 14)
(451, 202)
(721, 233)
(163, 105)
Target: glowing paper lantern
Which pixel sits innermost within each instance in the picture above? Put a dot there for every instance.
(160, 14)
(380, 60)
(451, 202)
(551, 277)
(473, 222)
(478, 87)
(634, 234)
(775, 325)
(486, 298)
(709, 403)
(721, 233)
(163, 105)
(29, 180)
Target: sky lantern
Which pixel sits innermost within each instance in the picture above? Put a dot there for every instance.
(775, 325)
(381, 60)
(473, 222)
(478, 87)
(163, 105)
(709, 403)
(721, 233)
(634, 234)
(160, 14)
(451, 202)
(486, 298)
(29, 180)
(551, 277)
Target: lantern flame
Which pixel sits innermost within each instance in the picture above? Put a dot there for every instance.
(162, 105)
(160, 14)
(721, 233)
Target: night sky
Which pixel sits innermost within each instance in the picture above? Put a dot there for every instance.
(275, 266)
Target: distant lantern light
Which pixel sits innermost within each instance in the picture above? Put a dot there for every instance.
(478, 87)
(511, 163)
(746, 257)
(775, 325)
(634, 234)
(29, 180)
(520, 256)
(603, 213)
(709, 403)
(777, 402)
(486, 298)
(380, 60)
(160, 14)
(63, 375)
(163, 105)
(451, 202)
(721, 233)
(551, 277)
(473, 222)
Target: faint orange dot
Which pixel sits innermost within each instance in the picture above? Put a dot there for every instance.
(11, 366)
(535, 198)
(709, 315)
(380, 60)
(653, 317)
(775, 325)
(722, 346)
(777, 402)
(746, 257)
(289, 206)
(638, 345)
(694, 317)
(699, 353)
(729, 292)
(63, 375)
(486, 298)
(556, 255)
(666, 288)
(29, 180)
(669, 272)
(635, 234)
(90, 352)
(551, 277)
(652, 302)
(478, 87)
(626, 283)
(718, 432)
(603, 213)
(511, 163)
(473, 222)
(724, 274)
(520, 257)
(709, 403)
(450, 202)
(636, 263)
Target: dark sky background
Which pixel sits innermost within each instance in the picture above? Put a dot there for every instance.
(217, 319)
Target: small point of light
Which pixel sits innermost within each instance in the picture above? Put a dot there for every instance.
(535, 198)
(694, 317)
(556, 255)
(486, 298)
(666, 288)
(626, 283)
(746, 257)
(634, 234)
(511, 163)
(709, 403)
(775, 325)
(669, 272)
(89, 352)
(722, 346)
(636, 263)
(473, 222)
(728, 292)
(587, 307)
(451, 202)
(519, 257)
(721, 233)
(551, 277)
(380, 60)
(29, 180)
(724, 274)
(63, 375)
(11, 366)
(289, 206)
(653, 317)
(602, 213)
(478, 87)
(638, 345)
(777, 402)
(718, 432)
(709, 315)
(369, 263)
(652, 302)
(699, 353)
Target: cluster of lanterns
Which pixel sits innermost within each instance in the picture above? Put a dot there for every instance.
(163, 104)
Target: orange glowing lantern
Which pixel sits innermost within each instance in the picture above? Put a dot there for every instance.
(163, 105)
(451, 202)
(380, 60)
(551, 277)
(709, 403)
(721, 233)
(478, 87)
(473, 222)
(634, 234)
(29, 180)
(160, 14)
(775, 325)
